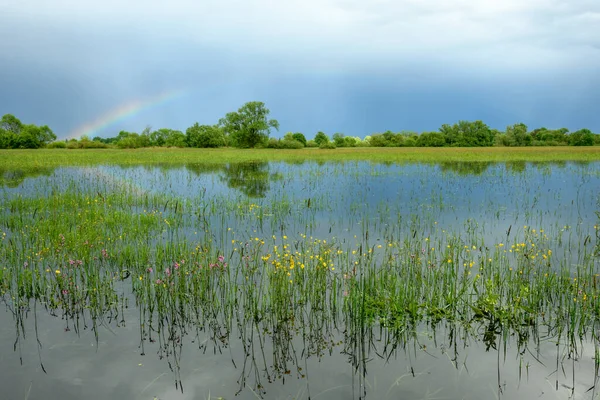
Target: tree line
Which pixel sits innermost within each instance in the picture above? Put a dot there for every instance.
(16, 135)
(250, 127)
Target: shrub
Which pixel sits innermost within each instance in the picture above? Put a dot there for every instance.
(290, 144)
(299, 137)
(57, 145)
(328, 145)
(272, 143)
(349, 141)
(311, 143)
(321, 138)
(204, 136)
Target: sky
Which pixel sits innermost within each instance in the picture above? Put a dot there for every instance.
(351, 66)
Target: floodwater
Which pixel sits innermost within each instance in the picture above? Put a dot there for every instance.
(45, 356)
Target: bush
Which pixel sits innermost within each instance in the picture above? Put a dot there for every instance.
(431, 139)
(311, 143)
(299, 137)
(274, 143)
(321, 138)
(583, 137)
(378, 140)
(204, 136)
(410, 142)
(84, 143)
(328, 145)
(290, 144)
(57, 145)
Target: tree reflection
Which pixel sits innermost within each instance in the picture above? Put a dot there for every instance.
(251, 178)
(465, 168)
(12, 178)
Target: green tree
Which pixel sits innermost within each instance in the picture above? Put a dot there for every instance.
(10, 123)
(159, 137)
(7, 139)
(467, 134)
(349, 141)
(338, 139)
(249, 126)
(431, 139)
(517, 135)
(204, 136)
(321, 138)
(175, 139)
(582, 137)
(300, 138)
(167, 137)
(132, 140)
(34, 137)
(474, 133)
(378, 140)
(451, 134)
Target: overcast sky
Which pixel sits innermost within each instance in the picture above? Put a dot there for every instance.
(350, 66)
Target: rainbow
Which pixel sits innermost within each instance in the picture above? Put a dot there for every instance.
(123, 112)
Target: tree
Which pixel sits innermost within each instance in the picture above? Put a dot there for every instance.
(7, 139)
(175, 139)
(299, 137)
(338, 139)
(159, 137)
(474, 133)
(431, 139)
(204, 136)
(34, 137)
(321, 138)
(517, 135)
(10, 123)
(248, 126)
(582, 137)
(167, 137)
(467, 134)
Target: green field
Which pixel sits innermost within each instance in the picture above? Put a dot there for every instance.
(58, 157)
(488, 248)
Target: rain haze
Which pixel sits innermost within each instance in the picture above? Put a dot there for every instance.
(355, 67)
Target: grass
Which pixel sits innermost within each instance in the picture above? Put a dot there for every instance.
(224, 267)
(26, 159)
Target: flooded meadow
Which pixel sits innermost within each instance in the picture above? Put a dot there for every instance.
(301, 280)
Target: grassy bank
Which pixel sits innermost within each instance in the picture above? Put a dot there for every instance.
(58, 157)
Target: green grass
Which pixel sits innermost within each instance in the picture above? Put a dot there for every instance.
(90, 246)
(26, 159)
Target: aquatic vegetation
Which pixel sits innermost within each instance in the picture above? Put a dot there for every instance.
(357, 257)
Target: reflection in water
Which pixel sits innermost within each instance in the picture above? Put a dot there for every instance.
(355, 265)
(13, 178)
(251, 178)
(465, 168)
